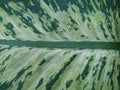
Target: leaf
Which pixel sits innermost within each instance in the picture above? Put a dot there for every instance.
(25, 25)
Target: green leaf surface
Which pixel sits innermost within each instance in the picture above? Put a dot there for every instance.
(59, 45)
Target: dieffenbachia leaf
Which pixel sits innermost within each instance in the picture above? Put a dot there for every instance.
(59, 45)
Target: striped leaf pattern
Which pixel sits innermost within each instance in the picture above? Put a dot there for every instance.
(32, 68)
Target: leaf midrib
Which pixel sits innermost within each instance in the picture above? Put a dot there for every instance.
(63, 44)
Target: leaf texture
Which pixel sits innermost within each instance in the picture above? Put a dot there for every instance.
(33, 68)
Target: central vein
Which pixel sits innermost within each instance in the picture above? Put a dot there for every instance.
(63, 44)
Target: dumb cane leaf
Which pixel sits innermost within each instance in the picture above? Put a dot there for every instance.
(59, 45)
